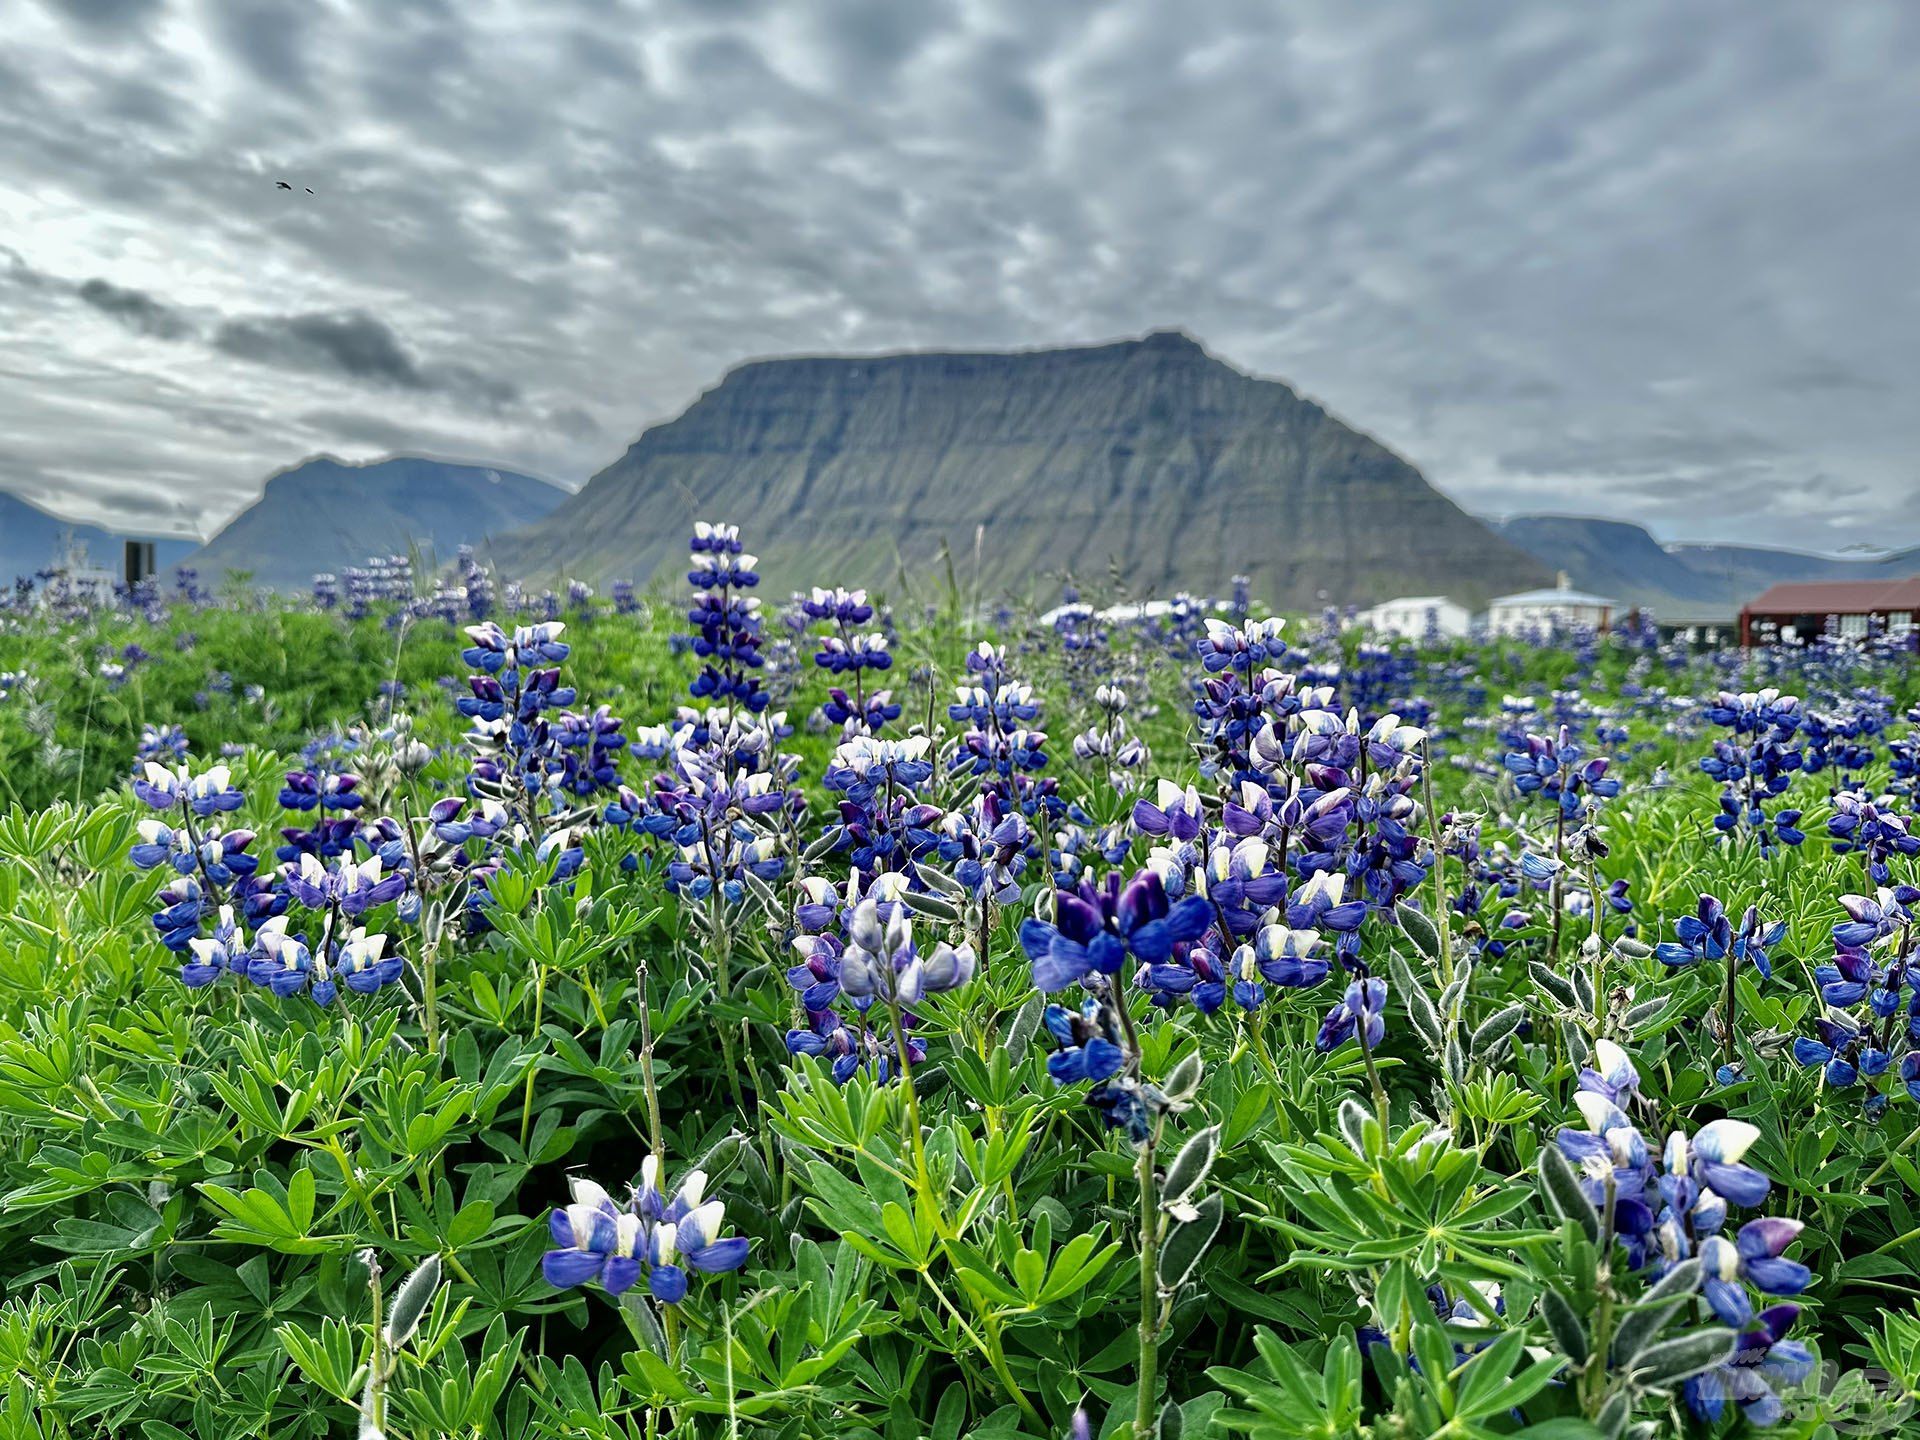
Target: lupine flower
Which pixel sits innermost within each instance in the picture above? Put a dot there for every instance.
(1095, 930)
(1278, 956)
(1751, 1258)
(355, 887)
(1091, 1045)
(305, 790)
(1765, 1358)
(1361, 1012)
(1321, 904)
(1708, 935)
(158, 743)
(881, 962)
(1758, 764)
(1874, 918)
(649, 1238)
(362, 964)
(213, 955)
(850, 1047)
(1553, 767)
(1877, 833)
(182, 907)
(1612, 1073)
(1178, 814)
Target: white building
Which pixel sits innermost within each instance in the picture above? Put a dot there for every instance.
(75, 577)
(1563, 606)
(1414, 617)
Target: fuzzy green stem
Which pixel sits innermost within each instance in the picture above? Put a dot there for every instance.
(1144, 1411)
(1442, 920)
(539, 1011)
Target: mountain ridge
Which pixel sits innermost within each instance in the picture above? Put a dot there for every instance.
(1623, 561)
(325, 514)
(1147, 455)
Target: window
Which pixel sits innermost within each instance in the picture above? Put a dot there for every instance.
(1853, 627)
(1899, 622)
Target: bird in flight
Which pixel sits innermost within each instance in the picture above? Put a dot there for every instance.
(283, 185)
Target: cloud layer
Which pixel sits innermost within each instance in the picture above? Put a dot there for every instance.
(1625, 259)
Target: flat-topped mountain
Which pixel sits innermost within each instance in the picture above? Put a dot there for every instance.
(326, 514)
(1147, 455)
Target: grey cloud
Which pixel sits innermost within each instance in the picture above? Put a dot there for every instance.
(1561, 257)
(355, 345)
(136, 309)
(359, 347)
(108, 16)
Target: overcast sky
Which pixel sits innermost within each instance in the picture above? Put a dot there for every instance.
(1650, 259)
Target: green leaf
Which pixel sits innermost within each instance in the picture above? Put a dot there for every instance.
(1187, 1242)
(1564, 1325)
(1419, 929)
(1674, 1360)
(1563, 1191)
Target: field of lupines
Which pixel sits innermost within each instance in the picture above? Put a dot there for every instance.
(478, 1014)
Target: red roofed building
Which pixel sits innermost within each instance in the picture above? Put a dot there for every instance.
(1805, 611)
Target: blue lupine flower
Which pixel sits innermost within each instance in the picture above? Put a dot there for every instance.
(1361, 1012)
(354, 886)
(1553, 767)
(1841, 1053)
(1085, 1051)
(211, 792)
(1873, 918)
(1716, 1162)
(1753, 1258)
(1091, 1045)
(649, 1237)
(881, 962)
(306, 790)
(362, 964)
(1758, 764)
(1278, 956)
(1709, 935)
(1095, 930)
(1878, 834)
(182, 907)
(1764, 1359)
(1612, 1073)
(158, 743)
(160, 786)
(596, 1240)
(1178, 814)
(1321, 904)
(212, 956)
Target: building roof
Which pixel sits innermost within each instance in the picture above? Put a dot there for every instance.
(1551, 597)
(1838, 597)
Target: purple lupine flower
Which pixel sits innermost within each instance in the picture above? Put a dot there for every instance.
(1094, 930)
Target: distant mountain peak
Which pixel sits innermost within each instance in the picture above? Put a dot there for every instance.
(1147, 457)
(1619, 558)
(325, 514)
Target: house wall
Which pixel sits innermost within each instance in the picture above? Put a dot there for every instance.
(1410, 621)
(1757, 628)
(1513, 619)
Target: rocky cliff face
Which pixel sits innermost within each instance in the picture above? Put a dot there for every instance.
(325, 514)
(1148, 456)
